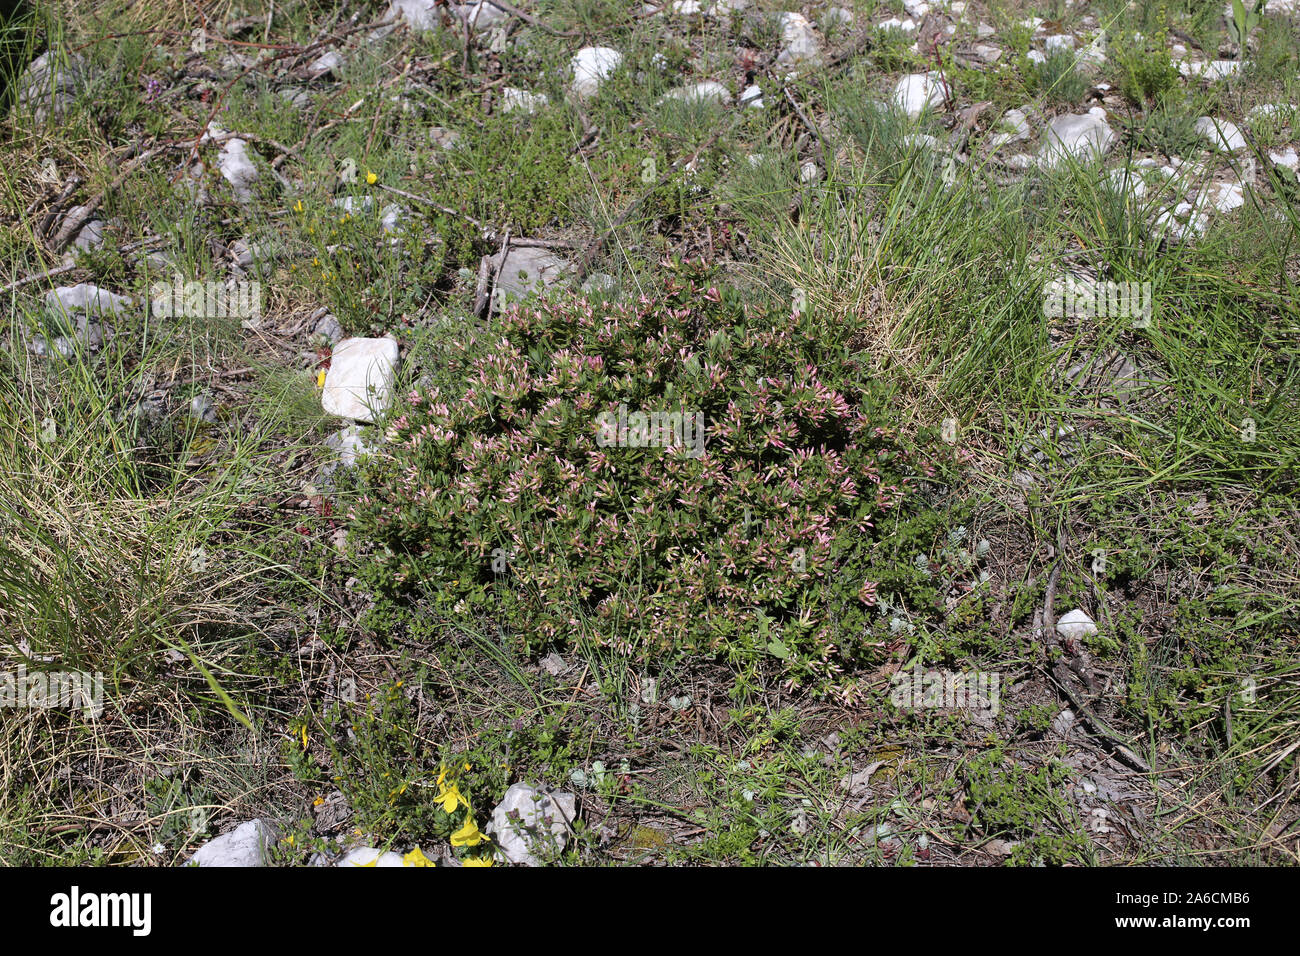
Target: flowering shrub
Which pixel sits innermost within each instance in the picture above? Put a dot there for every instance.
(501, 490)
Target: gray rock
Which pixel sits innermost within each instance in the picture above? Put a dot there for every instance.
(444, 138)
(529, 270)
(350, 444)
(599, 282)
(1221, 134)
(1063, 723)
(1080, 137)
(482, 16)
(83, 335)
(295, 96)
(71, 319)
(799, 43)
(1213, 70)
(91, 235)
(521, 101)
(330, 62)
(417, 14)
(390, 218)
(237, 168)
(836, 18)
(328, 327)
(529, 822)
(245, 255)
(1111, 373)
(590, 67)
(243, 846)
(50, 85)
(203, 408)
(1012, 128)
(708, 91)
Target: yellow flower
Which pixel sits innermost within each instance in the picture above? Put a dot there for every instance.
(297, 207)
(304, 736)
(450, 799)
(371, 178)
(477, 861)
(468, 835)
(320, 379)
(416, 858)
(318, 801)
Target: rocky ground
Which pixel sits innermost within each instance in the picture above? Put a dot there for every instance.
(262, 266)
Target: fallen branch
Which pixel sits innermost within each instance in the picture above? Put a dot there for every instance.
(70, 266)
(73, 224)
(1057, 673)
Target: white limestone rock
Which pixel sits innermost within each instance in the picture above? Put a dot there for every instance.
(1076, 625)
(708, 91)
(800, 45)
(237, 168)
(591, 66)
(368, 856)
(359, 382)
(244, 846)
(517, 100)
(528, 824)
(918, 92)
(1080, 137)
(1221, 134)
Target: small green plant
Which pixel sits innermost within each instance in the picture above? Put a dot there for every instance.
(1007, 800)
(530, 484)
(1244, 22)
(1058, 79)
(1145, 74)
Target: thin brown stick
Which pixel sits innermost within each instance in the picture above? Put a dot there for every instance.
(73, 224)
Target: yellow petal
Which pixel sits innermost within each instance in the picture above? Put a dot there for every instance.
(477, 861)
(468, 835)
(416, 858)
(450, 799)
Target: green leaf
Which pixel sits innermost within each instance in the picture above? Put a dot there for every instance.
(778, 650)
(220, 692)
